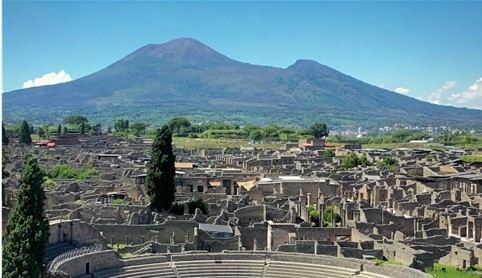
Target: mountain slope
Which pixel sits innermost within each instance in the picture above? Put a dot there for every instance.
(186, 77)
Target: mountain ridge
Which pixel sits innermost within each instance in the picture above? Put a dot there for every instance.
(185, 76)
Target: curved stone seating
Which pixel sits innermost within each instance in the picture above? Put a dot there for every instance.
(236, 264)
(137, 271)
(365, 274)
(221, 268)
(288, 269)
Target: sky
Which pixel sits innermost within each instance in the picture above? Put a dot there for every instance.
(426, 50)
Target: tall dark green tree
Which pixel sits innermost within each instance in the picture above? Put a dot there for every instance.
(5, 140)
(59, 130)
(161, 171)
(82, 128)
(318, 130)
(27, 229)
(25, 133)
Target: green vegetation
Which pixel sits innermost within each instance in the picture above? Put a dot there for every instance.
(78, 202)
(24, 136)
(429, 157)
(314, 216)
(177, 208)
(50, 183)
(222, 143)
(27, 229)
(139, 128)
(117, 201)
(382, 262)
(330, 216)
(75, 120)
(193, 205)
(318, 130)
(442, 271)
(179, 124)
(352, 160)
(388, 163)
(161, 171)
(5, 139)
(65, 171)
(121, 125)
(471, 158)
(328, 154)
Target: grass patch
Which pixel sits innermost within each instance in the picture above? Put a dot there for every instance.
(471, 158)
(116, 246)
(65, 171)
(221, 143)
(382, 262)
(451, 272)
(117, 201)
(392, 146)
(79, 202)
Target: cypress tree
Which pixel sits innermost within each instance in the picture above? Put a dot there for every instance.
(27, 229)
(25, 133)
(59, 130)
(161, 171)
(5, 140)
(82, 128)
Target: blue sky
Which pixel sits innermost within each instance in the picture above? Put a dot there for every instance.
(428, 50)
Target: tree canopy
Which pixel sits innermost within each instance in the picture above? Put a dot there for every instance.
(178, 123)
(161, 171)
(121, 125)
(139, 128)
(318, 130)
(75, 120)
(27, 229)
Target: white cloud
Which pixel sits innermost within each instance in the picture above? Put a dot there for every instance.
(436, 96)
(402, 90)
(48, 79)
(472, 96)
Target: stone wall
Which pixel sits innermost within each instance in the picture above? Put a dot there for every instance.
(248, 215)
(90, 263)
(322, 233)
(459, 257)
(306, 246)
(74, 231)
(407, 256)
(163, 231)
(206, 242)
(254, 238)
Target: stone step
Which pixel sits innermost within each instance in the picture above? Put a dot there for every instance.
(364, 274)
(132, 270)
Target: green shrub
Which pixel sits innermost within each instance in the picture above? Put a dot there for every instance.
(65, 171)
(203, 206)
(177, 208)
(62, 171)
(50, 183)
